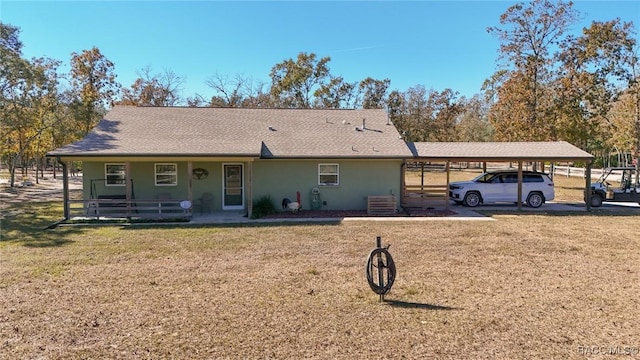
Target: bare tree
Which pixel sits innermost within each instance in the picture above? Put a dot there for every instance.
(162, 89)
(239, 91)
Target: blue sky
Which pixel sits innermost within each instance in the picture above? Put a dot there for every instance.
(437, 44)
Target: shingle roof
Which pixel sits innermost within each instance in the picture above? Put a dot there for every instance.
(285, 133)
(499, 151)
(269, 133)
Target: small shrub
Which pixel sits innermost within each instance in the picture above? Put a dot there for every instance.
(263, 207)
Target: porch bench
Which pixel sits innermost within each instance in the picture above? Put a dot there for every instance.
(381, 205)
(114, 203)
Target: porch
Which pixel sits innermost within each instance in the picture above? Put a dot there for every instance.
(190, 190)
(117, 207)
(143, 210)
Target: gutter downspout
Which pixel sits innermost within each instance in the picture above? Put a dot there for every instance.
(65, 187)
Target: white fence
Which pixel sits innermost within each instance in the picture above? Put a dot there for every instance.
(580, 172)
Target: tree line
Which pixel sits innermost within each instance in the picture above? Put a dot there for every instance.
(550, 85)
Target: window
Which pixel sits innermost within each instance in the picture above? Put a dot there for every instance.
(328, 174)
(114, 174)
(166, 174)
(510, 178)
(528, 178)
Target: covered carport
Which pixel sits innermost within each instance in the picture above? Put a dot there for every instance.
(492, 152)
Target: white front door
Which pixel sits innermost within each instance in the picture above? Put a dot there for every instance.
(232, 187)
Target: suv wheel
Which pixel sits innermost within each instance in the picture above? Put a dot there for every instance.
(535, 200)
(472, 199)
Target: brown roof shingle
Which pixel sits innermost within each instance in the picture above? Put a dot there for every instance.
(499, 151)
(285, 133)
(270, 133)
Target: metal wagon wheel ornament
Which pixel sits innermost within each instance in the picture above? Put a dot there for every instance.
(380, 269)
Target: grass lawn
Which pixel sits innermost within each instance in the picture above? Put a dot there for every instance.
(520, 287)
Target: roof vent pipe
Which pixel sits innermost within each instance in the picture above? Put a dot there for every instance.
(363, 124)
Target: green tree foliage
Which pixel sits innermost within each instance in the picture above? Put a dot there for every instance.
(27, 101)
(550, 85)
(302, 83)
(555, 86)
(422, 115)
(294, 82)
(511, 115)
(374, 93)
(336, 94)
(407, 110)
(473, 122)
(593, 68)
(444, 112)
(93, 80)
(12, 79)
(24, 93)
(622, 133)
(44, 110)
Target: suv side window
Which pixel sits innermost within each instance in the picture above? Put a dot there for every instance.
(511, 178)
(529, 178)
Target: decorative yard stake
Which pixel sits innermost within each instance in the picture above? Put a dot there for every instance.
(381, 270)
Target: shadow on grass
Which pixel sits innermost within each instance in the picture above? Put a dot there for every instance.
(595, 212)
(159, 225)
(413, 305)
(28, 224)
(44, 243)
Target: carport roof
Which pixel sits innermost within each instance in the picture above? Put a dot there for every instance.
(499, 151)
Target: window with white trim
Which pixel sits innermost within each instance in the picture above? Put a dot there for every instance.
(114, 174)
(328, 174)
(166, 174)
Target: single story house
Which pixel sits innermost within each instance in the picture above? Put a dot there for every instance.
(183, 161)
(174, 161)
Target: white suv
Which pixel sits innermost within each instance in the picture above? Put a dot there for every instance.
(502, 186)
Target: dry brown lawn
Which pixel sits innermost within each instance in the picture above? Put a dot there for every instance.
(523, 286)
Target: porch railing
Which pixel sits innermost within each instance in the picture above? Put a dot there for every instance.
(121, 208)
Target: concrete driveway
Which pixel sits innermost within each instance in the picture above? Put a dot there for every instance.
(551, 206)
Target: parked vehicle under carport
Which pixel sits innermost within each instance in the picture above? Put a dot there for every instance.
(608, 188)
(502, 186)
